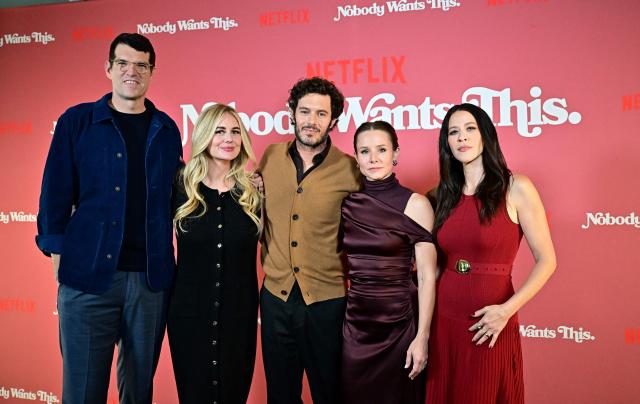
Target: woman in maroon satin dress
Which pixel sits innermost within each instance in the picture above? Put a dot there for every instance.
(482, 212)
(386, 230)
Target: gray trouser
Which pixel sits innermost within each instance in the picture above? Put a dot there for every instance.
(128, 314)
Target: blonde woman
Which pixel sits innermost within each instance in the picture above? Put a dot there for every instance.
(213, 309)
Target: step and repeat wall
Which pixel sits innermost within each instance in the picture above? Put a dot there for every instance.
(559, 78)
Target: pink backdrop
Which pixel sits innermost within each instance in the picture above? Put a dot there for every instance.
(560, 79)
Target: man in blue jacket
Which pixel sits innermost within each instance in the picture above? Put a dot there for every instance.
(105, 219)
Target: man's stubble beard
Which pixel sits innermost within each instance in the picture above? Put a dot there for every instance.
(321, 142)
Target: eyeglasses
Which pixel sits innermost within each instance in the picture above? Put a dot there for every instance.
(140, 67)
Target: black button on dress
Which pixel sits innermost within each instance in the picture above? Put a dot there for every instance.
(212, 321)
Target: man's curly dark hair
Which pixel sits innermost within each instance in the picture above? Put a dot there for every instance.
(316, 85)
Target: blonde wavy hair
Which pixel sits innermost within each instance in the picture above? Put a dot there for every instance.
(195, 170)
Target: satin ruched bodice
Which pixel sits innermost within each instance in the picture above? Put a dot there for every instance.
(381, 316)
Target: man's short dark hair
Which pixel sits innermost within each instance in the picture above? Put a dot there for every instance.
(137, 42)
(317, 85)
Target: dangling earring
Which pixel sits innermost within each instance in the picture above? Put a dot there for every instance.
(395, 162)
(357, 165)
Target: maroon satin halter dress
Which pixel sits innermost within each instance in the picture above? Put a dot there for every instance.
(458, 371)
(382, 301)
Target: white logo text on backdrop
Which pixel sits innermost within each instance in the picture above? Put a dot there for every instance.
(20, 39)
(578, 335)
(529, 116)
(396, 6)
(191, 24)
(607, 219)
(5, 218)
(28, 395)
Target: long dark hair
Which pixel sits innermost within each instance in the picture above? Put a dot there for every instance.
(492, 190)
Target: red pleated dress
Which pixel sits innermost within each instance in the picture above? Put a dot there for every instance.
(458, 371)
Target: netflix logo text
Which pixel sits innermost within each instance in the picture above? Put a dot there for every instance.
(632, 336)
(93, 33)
(14, 304)
(283, 17)
(631, 102)
(16, 128)
(371, 70)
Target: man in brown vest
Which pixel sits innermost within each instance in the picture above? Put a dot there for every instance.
(303, 295)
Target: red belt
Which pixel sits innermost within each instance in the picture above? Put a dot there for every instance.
(465, 267)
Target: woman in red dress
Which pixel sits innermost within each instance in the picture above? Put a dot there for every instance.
(482, 212)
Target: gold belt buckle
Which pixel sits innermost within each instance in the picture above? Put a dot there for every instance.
(463, 266)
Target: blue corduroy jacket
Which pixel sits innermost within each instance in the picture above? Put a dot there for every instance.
(82, 203)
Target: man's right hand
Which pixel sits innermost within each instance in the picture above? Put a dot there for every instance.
(56, 264)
